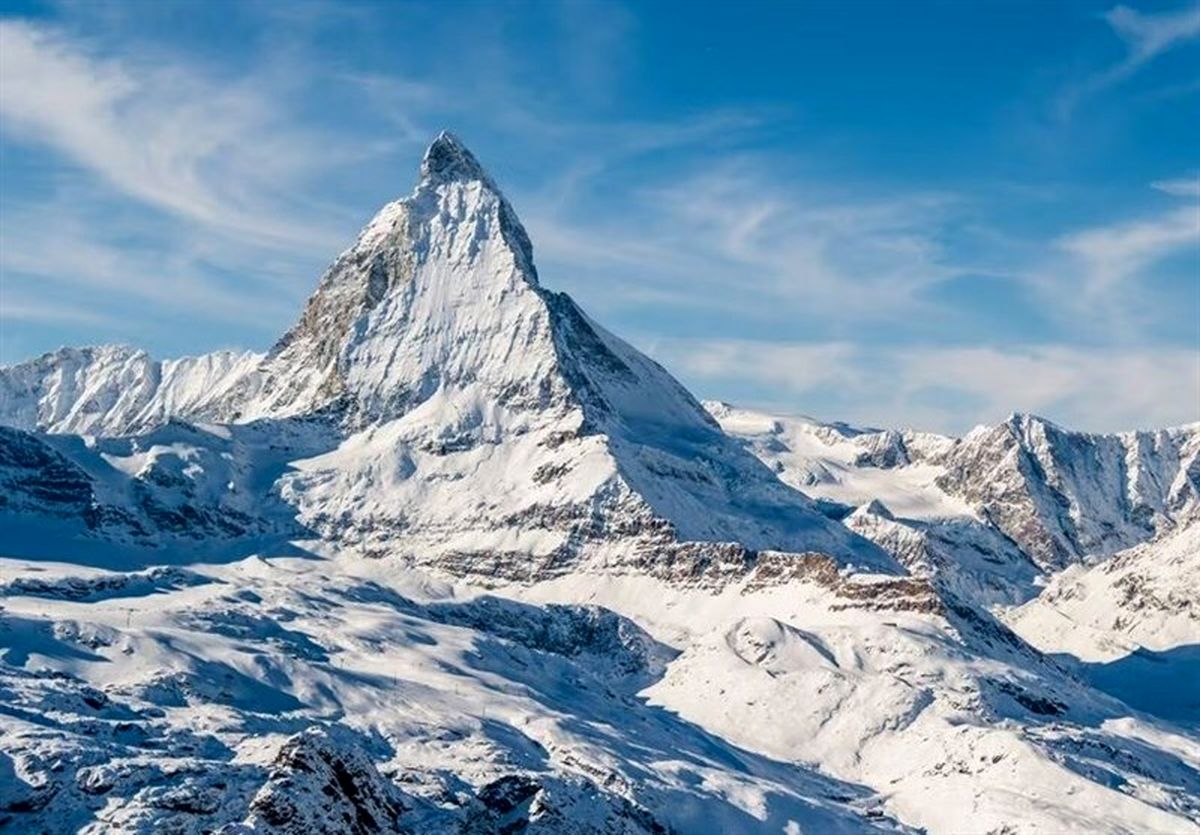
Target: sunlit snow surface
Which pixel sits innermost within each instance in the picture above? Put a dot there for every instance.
(140, 700)
(156, 699)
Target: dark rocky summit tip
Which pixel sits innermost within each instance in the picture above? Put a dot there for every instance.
(447, 160)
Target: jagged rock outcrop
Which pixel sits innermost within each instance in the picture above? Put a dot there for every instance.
(321, 782)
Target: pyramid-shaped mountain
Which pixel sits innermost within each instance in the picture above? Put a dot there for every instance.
(485, 422)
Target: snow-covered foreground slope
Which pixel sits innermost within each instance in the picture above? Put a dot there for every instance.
(960, 723)
(283, 694)
(179, 699)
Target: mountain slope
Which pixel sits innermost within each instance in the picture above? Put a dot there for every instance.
(266, 678)
(1064, 495)
(1145, 597)
(300, 695)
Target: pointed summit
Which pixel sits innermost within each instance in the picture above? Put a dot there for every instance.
(448, 160)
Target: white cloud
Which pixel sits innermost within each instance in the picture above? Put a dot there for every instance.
(736, 235)
(1114, 253)
(227, 167)
(1097, 280)
(1149, 35)
(198, 201)
(1146, 36)
(166, 134)
(15, 308)
(1180, 187)
(948, 388)
(78, 247)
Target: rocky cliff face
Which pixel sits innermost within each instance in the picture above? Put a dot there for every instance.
(1064, 495)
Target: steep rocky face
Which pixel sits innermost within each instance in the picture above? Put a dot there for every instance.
(36, 479)
(1064, 496)
(438, 292)
(433, 344)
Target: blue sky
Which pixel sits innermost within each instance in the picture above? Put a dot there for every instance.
(928, 214)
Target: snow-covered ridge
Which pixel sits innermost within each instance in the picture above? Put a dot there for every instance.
(1027, 494)
(118, 390)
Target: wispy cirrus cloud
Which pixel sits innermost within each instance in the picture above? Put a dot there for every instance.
(1179, 187)
(235, 223)
(176, 187)
(219, 152)
(932, 387)
(1149, 35)
(1110, 254)
(167, 187)
(1146, 36)
(78, 248)
(37, 308)
(740, 241)
(732, 234)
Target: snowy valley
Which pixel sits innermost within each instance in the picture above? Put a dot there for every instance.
(450, 557)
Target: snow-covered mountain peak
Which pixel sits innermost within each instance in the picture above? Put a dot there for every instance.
(193, 639)
(466, 415)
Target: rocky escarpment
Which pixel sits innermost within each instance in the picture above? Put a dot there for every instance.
(36, 479)
(175, 484)
(1064, 495)
(320, 781)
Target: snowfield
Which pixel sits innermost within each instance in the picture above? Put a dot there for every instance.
(452, 558)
